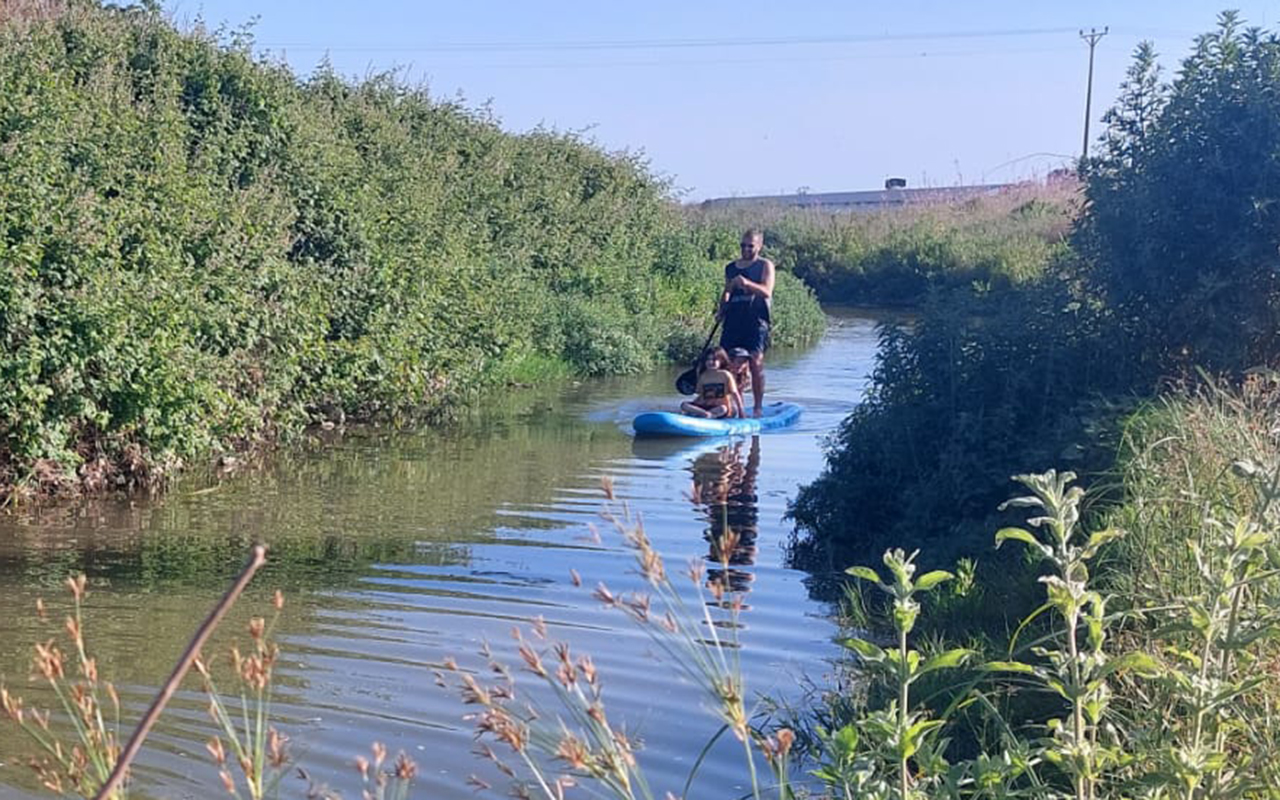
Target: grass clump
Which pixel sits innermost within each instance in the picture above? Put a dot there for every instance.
(570, 740)
(89, 705)
(1100, 692)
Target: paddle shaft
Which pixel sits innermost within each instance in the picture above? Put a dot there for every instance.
(710, 336)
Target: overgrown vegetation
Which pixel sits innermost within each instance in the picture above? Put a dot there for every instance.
(1172, 267)
(201, 251)
(1008, 237)
(1128, 650)
(1143, 358)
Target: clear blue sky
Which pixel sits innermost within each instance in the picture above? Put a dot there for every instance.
(747, 97)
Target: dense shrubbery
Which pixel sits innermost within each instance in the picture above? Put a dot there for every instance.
(1183, 228)
(201, 250)
(1143, 669)
(976, 389)
(1174, 268)
(896, 257)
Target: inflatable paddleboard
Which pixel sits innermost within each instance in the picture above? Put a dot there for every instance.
(672, 423)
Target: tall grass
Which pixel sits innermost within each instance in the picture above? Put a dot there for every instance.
(895, 256)
(1180, 460)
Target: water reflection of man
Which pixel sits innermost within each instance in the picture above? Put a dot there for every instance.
(724, 487)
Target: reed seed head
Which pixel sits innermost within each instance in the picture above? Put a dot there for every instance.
(777, 746)
(48, 662)
(639, 605)
(605, 596)
(572, 751)
(473, 693)
(11, 705)
(696, 571)
(786, 738)
(77, 587)
(533, 661)
(405, 768)
(214, 746)
(72, 628)
(277, 748)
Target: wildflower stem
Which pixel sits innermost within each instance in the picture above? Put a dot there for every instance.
(1077, 716)
(904, 688)
(256, 560)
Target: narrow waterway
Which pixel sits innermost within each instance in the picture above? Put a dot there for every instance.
(399, 549)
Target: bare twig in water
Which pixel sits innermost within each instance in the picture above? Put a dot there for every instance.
(256, 560)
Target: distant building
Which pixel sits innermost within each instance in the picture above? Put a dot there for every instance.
(895, 193)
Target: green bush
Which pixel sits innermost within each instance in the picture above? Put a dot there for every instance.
(1172, 270)
(1182, 230)
(977, 387)
(202, 251)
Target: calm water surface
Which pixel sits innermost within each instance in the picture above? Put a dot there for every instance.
(398, 549)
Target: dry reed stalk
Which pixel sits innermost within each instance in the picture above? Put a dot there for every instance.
(256, 560)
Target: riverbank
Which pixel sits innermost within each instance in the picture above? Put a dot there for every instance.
(1120, 640)
(206, 253)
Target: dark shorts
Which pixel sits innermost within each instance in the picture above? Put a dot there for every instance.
(752, 338)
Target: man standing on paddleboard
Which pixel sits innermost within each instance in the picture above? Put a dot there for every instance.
(744, 309)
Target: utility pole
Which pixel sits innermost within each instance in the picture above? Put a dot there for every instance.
(1092, 38)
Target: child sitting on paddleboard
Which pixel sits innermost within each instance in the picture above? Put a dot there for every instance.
(740, 366)
(717, 394)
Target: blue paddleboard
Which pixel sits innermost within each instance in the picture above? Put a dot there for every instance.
(672, 423)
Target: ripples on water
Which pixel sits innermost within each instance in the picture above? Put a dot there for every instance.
(398, 549)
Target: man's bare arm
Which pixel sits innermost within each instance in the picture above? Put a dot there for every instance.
(762, 289)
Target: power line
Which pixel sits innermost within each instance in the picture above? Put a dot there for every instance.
(772, 61)
(655, 44)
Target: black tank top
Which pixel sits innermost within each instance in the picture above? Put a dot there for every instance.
(744, 306)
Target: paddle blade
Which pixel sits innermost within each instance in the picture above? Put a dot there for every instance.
(687, 383)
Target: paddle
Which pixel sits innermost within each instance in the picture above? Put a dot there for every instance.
(687, 383)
